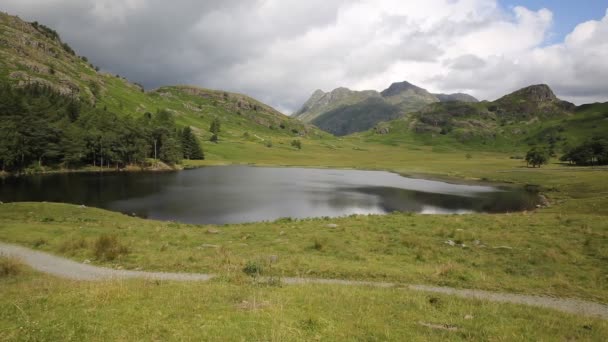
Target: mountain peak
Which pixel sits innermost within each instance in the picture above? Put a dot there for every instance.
(400, 87)
(535, 93)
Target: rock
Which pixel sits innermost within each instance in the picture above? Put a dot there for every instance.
(83, 206)
(382, 130)
(543, 201)
(332, 225)
(282, 233)
(502, 247)
(212, 231)
(86, 261)
(468, 317)
(273, 258)
(206, 245)
(450, 242)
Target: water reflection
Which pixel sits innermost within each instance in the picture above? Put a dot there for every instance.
(232, 194)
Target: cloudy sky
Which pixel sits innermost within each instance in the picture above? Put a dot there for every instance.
(280, 51)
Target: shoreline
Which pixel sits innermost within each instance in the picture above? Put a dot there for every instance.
(90, 169)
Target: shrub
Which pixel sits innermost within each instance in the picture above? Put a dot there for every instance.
(107, 247)
(317, 244)
(9, 267)
(268, 143)
(253, 269)
(297, 144)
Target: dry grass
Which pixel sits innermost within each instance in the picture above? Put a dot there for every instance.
(108, 248)
(10, 267)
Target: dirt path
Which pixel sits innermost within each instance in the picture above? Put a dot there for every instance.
(65, 268)
(69, 269)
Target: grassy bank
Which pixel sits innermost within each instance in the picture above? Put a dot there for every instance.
(560, 250)
(542, 253)
(38, 307)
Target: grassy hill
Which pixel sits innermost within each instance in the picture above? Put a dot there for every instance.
(530, 116)
(33, 54)
(344, 111)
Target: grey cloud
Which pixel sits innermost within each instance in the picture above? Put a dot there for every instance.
(280, 51)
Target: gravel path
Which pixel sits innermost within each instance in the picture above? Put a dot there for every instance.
(68, 269)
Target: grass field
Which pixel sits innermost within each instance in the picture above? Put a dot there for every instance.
(38, 307)
(561, 250)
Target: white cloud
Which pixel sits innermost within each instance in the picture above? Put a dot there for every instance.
(281, 50)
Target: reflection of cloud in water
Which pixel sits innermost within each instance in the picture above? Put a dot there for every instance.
(431, 210)
(236, 194)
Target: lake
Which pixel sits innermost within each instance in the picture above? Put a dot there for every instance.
(236, 194)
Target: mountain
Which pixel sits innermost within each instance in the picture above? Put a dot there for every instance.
(321, 102)
(344, 111)
(528, 116)
(359, 117)
(36, 64)
(31, 53)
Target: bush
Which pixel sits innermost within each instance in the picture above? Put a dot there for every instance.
(317, 244)
(297, 144)
(268, 143)
(107, 247)
(253, 269)
(9, 267)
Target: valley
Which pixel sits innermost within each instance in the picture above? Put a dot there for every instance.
(557, 248)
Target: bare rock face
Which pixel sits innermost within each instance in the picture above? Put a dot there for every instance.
(537, 93)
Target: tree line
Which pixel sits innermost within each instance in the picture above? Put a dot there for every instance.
(40, 127)
(591, 152)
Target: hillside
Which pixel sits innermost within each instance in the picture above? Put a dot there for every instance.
(529, 116)
(344, 111)
(33, 55)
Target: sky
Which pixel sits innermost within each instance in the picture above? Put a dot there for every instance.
(281, 51)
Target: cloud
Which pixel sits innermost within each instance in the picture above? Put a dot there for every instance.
(281, 50)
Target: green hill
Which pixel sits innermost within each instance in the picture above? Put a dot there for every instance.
(34, 56)
(344, 111)
(529, 116)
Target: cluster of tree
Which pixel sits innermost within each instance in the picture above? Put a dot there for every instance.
(592, 152)
(537, 156)
(53, 35)
(40, 127)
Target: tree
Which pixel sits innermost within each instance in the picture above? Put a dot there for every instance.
(191, 149)
(215, 130)
(537, 157)
(592, 152)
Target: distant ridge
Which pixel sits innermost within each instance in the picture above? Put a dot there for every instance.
(343, 111)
